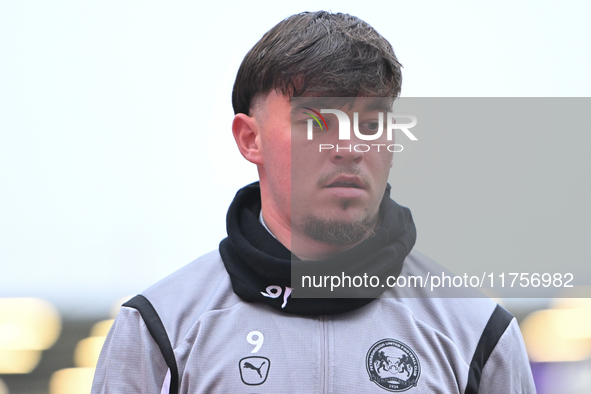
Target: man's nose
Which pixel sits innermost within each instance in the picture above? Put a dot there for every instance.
(345, 151)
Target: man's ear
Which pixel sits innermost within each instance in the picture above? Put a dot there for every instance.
(247, 135)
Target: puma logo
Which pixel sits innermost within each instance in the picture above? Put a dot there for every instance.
(258, 364)
(250, 366)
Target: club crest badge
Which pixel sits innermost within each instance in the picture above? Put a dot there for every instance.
(254, 370)
(393, 366)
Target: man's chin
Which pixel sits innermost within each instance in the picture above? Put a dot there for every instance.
(337, 232)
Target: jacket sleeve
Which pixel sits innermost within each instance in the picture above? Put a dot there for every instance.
(507, 369)
(130, 361)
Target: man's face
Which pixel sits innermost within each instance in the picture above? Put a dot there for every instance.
(331, 196)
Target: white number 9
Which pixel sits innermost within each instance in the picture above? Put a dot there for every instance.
(258, 342)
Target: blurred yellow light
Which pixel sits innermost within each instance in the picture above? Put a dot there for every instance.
(71, 381)
(101, 329)
(18, 361)
(558, 335)
(87, 352)
(28, 323)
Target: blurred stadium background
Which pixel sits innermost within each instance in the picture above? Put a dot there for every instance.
(117, 162)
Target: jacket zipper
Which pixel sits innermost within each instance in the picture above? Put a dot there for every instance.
(325, 354)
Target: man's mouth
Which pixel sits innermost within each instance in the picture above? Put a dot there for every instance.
(347, 186)
(344, 184)
(346, 181)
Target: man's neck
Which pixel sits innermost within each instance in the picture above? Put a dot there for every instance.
(262, 220)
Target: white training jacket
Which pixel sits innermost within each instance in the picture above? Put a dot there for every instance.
(189, 333)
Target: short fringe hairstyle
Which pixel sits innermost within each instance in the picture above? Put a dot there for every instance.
(318, 54)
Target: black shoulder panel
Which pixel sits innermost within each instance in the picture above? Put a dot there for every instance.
(156, 329)
(495, 328)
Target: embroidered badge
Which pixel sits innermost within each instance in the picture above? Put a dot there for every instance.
(254, 370)
(392, 365)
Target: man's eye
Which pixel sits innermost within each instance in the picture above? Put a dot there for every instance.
(316, 128)
(370, 127)
(373, 126)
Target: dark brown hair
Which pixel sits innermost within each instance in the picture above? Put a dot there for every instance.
(318, 54)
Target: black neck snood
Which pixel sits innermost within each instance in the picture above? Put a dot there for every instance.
(255, 260)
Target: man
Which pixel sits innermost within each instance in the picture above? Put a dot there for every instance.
(228, 323)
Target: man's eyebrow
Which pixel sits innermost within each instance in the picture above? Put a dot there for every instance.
(378, 105)
(314, 103)
(297, 109)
